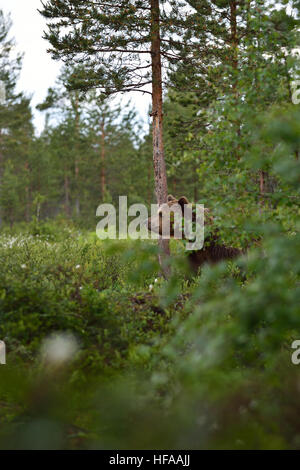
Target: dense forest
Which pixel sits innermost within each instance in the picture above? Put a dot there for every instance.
(105, 348)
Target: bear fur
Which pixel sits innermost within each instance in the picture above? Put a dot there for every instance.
(213, 250)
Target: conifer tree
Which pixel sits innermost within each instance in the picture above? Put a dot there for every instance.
(238, 69)
(107, 120)
(122, 47)
(69, 106)
(16, 131)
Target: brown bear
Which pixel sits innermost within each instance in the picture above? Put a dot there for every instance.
(213, 249)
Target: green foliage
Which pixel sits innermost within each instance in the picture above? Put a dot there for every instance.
(115, 40)
(198, 362)
(210, 358)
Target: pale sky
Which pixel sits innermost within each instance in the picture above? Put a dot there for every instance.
(39, 70)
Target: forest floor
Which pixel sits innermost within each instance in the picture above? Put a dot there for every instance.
(100, 349)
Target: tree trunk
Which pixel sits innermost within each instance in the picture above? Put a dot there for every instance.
(27, 192)
(103, 176)
(67, 195)
(234, 48)
(150, 188)
(76, 163)
(160, 175)
(233, 32)
(1, 173)
(289, 80)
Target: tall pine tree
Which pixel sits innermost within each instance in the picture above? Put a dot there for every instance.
(123, 47)
(16, 131)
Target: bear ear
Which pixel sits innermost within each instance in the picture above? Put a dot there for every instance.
(171, 198)
(182, 201)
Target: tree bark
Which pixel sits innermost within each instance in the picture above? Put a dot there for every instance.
(289, 80)
(160, 174)
(233, 32)
(234, 47)
(1, 172)
(103, 175)
(150, 187)
(67, 194)
(76, 163)
(27, 192)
